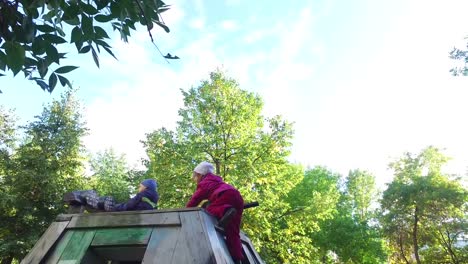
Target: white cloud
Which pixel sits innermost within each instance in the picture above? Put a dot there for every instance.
(198, 23)
(229, 25)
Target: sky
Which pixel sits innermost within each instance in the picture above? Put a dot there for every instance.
(363, 81)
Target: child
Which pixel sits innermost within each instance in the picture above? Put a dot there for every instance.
(224, 200)
(146, 199)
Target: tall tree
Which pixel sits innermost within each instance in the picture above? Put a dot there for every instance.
(223, 124)
(346, 232)
(362, 193)
(31, 32)
(46, 165)
(111, 175)
(7, 142)
(420, 197)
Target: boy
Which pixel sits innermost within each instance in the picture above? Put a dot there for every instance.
(146, 199)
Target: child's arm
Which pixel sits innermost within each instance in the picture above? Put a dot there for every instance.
(130, 205)
(200, 195)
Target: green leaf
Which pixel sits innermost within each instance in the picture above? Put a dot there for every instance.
(100, 32)
(30, 62)
(15, 56)
(42, 67)
(102, 43)
(95, 57)
(52, 82)
(60, 31)
(43, 85)
(53, 39)
(52, 54)
(71, 13)
(87, 27)
(45, 28)
(85, 49)
(79, 45)
(109, 51)
(89, 9)
(64, 81)
(103, 18)
(163, 9)
(74, 21)
(100, 4)
(76, 34)
(65, 69)
(166, 28)
(38, 46)
(3, 59)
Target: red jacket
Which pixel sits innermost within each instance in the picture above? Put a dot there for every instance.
(208, 188)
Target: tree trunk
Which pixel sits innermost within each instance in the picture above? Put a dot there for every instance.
(400, 241)
(415, 236)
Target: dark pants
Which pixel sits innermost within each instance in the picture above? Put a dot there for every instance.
(217, 207)
(106, 203)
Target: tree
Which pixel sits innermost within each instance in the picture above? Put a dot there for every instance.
(32, 31)
(222, 124)
(111, 175)
(345, 232)
(459, 55)
(47, 164)
(420, 201)
(7, 142)
(361, 191)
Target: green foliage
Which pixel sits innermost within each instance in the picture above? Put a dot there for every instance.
(111, 175)
(222, 123)
(46, 164)
(341, 232)
(421, 204)
(32, 33)
(361, 192)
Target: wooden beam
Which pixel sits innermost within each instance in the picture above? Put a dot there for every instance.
(45, 243)
(127, 220)
(134, 236)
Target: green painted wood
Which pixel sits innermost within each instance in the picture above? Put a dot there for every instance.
(76, 247)
(122, 236)
(58, 250)
(45, 243)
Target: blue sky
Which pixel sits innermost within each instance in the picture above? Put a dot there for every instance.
(362, 80)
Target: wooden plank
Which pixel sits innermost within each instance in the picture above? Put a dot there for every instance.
(248, 254)
(77, 247)
(122, 236)
(58, 250)
(161, 211)
(193, 243)
(118, 220)
(162, 245)
(185, 244)
(45, 243)
(216, 240)
(245, 240)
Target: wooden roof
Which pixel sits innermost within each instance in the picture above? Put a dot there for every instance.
(156, 236)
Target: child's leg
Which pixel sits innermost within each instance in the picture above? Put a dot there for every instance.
(92, 200)
(233, 238)
(109, 203)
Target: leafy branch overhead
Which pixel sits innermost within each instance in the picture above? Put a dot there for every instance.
(34, 32)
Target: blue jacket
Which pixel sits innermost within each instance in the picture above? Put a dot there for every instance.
(137, 203)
